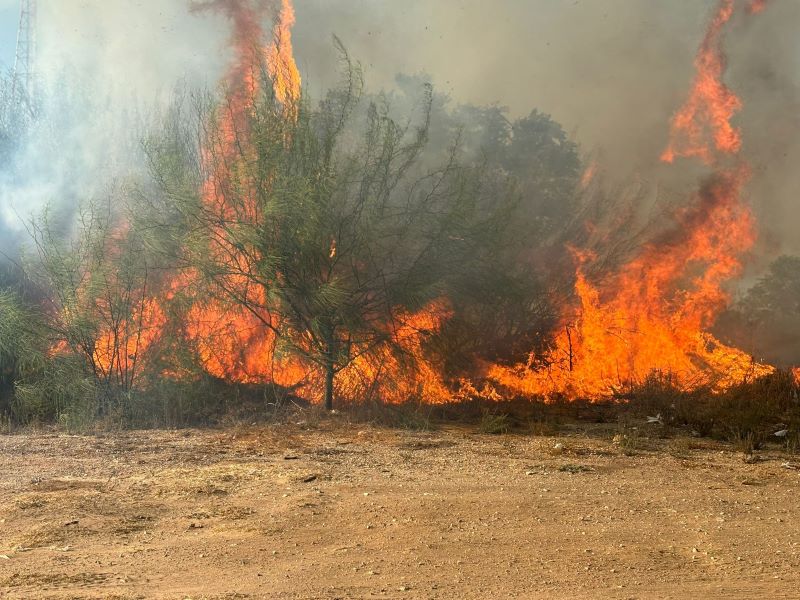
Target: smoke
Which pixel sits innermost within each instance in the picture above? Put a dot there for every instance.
(765, 67)
(104, 70)
(611, 71)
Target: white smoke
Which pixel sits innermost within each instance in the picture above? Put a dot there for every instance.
(104, 70)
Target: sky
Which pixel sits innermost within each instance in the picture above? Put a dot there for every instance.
(593, 64)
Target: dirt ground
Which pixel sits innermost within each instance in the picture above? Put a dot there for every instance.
(349, 511)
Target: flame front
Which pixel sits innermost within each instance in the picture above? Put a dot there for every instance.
(653, 313)
(234, 344)
(231, 342)
(280, 58)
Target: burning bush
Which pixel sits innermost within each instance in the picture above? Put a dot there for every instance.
(291, 248)
(318, 246)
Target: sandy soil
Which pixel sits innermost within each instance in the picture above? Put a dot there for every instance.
(339, 511)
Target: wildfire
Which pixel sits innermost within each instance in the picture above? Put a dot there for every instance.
(280, 58)
(653, 313)
(122, 344)
(224, 336)
(650, 315)
(128, 318)
(238, 344)
(711, 104)
(397, 376)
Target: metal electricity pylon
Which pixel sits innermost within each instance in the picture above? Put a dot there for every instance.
(23, 85)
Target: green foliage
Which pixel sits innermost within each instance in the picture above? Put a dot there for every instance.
(325, 224)
(18, 355)
(98, 296)
(77, 351)
(766, 321)
(328, 223)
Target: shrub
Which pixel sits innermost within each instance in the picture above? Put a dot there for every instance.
(746, 414)
(493, 423)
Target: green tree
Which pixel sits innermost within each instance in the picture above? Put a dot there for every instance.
(97, 308)
(325, 226)
(547, 165)
(767, 319)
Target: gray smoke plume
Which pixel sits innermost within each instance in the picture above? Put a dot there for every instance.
(611, 71)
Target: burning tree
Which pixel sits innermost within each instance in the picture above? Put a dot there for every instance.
(653, 313)
(320, 224)
(96, 317)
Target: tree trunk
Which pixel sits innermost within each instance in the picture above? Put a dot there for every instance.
(329, 374)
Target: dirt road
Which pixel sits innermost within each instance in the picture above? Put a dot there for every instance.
(339, 511)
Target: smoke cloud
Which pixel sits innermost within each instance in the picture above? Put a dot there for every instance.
(611, 71)
(104, 69)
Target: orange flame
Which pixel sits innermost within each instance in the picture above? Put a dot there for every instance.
(404, 372)
(653, 313)
(756, 6)
(233, 343)
(236, 344)
(711, 104)
(588, 175)
(123, 346)
(128, 317)
(280, 58)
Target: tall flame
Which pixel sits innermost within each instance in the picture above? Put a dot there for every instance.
(653, 313)
(711, 104)
(233, 343)
(280, 58)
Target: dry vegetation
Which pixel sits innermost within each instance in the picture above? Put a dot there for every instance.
(325, 507)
